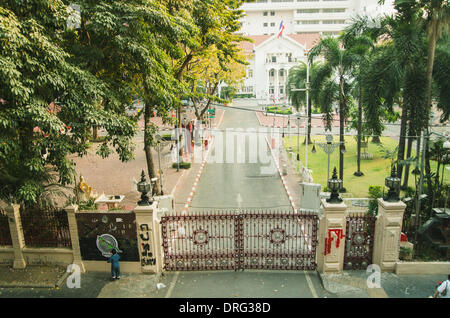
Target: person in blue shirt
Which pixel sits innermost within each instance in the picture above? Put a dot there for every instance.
(115, 266)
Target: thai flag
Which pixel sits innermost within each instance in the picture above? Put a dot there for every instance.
(281, 29)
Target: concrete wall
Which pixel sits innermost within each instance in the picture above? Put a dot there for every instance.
(6, 255)
(125, 267)
(48, 256)
(422, 268)
(38, 256)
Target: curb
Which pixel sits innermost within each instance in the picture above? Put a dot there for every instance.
(62, 279)
(291, 200)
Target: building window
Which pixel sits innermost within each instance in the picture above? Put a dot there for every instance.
(333, 22)
(250, 73)
(308, 22)
(265, 13)
(289, 57)
(334, 10)
(272, 24)
(272, 13)
(265, 24)
(281, 89)
(281, 73)
(272, 73)
(308, 11)
(274, 59)
(271, 90)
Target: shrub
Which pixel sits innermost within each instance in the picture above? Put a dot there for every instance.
(98, 139)
(183, 165)
(375, 192)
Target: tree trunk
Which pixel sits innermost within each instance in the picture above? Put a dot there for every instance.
(434, 24)
(95, 132)
(376, 139)
(428, 173)
(358, 173)
(408, 154)
(436, 183)
(148, 149)
(402, 141)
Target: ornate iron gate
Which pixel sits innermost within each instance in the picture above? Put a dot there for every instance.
(240, 240)
(359, 241)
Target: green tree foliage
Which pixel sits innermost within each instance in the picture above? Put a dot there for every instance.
(36, 71)
(341, 61)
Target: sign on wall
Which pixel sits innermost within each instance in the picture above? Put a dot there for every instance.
(100, 232)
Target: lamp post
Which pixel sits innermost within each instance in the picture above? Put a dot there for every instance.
(334, 185)
(393, 183)
(306, 89)
(329, 147)
(144, 187)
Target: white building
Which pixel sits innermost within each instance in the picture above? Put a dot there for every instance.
(271, 59)
(305, 21)
(326, 17)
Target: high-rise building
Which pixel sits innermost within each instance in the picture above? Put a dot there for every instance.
(326, 17)
(303, 23)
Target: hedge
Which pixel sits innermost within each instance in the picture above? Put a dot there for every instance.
(183, 165)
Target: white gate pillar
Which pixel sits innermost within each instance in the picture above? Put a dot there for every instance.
(388, 229)
(330, 257)
(149, 240)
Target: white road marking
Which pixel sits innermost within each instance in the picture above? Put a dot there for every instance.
(311, 286)
(172, 285)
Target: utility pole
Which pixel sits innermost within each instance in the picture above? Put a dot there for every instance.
(307, 88)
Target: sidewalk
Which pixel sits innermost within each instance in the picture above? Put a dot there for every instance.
(33, 276)
(353, 284)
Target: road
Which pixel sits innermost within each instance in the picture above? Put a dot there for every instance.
(245, 185)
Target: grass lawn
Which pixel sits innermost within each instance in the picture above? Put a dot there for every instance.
(375, 170)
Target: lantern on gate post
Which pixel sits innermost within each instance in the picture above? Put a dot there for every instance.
(144, 187)
(393, 183)
(334, 185)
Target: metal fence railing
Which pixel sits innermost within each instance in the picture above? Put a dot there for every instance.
(5, 235)
(45, 228)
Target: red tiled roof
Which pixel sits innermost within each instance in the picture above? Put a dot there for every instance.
(310, 39)
(257, 40)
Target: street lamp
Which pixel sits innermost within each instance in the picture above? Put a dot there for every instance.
(329, 147)
(144, 187)
(306, 89)
(334, 185)
(393, 183)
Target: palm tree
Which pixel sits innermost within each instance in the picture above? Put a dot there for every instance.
(297, 78)
(357, 38)
(341, 62)
(395, 75)
(438, 23)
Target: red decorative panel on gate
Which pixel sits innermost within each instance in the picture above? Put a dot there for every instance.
(360, 234)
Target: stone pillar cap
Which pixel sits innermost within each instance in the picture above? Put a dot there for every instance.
(391, 205)
(333, 206)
